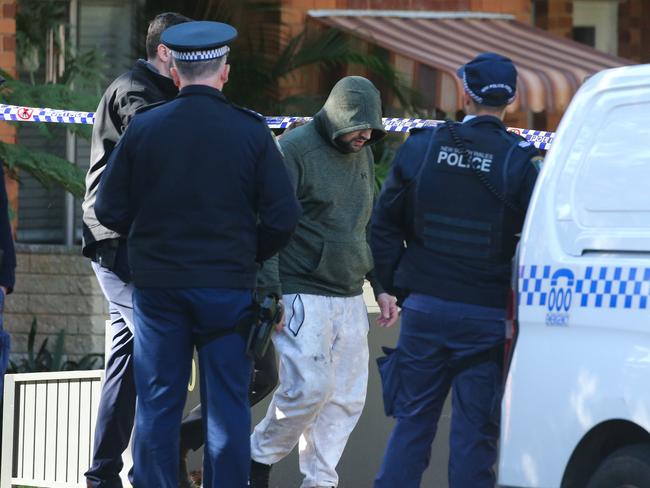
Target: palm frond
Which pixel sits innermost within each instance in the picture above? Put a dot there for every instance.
(46, 168)
(16, 92)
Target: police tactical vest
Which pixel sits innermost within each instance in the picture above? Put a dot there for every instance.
(457, 214)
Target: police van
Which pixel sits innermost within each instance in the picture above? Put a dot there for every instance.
(576, 405)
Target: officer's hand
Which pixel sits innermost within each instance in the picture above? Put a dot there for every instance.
(388, 308)
(280, 325)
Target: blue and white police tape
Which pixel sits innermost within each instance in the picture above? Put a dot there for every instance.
(15, 113)
(540, 139)
(30, 114)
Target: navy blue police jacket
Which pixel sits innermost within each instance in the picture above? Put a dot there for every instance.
(200, 188)
(440, 226)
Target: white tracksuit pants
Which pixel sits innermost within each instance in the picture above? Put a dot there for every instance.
(323, 352)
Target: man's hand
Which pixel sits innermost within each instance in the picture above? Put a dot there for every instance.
(388, 308)
(280, 325)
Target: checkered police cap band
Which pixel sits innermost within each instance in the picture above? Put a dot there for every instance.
(200, 55)
(479, 99)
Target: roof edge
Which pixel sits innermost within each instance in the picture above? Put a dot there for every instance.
(408, 14)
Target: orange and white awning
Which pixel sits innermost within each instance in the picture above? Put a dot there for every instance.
(551, 68)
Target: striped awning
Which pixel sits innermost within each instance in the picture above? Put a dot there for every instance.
(551, 68)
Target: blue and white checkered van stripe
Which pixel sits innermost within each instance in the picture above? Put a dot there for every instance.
(593, 286)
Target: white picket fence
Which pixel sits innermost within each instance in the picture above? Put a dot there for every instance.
(48, 425)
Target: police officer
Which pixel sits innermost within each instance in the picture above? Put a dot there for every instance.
(457, 196)
(148, 81)
(201, 190)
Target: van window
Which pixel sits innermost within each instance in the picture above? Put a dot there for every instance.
(609, 192)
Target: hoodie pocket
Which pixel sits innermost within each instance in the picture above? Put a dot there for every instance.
(344, 263)
(301, 256)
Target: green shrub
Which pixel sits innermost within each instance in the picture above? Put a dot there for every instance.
(43, 360)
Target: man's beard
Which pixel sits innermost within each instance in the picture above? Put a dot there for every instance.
(348, 147)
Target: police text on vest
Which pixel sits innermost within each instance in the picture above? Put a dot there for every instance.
(453, 157)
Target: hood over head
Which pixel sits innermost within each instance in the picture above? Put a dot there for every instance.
(353, 104)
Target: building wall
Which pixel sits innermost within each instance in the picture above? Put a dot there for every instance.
(634, 30)
(521, 9)
(554, 16)
(406, 4)
(8, 63)
(603, 16)
(56, 285)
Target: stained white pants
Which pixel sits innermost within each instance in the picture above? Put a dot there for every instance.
(323, 353)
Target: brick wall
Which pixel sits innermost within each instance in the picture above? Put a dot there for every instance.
(56, 285)
(634, 30)
(295, 11)
(440, 5)
(8, 64)
(519, 8)
(555, 16)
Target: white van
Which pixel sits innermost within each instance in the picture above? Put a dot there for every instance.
(576, 406)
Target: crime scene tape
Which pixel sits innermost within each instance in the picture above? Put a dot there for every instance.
(540, 139)
(15, 113)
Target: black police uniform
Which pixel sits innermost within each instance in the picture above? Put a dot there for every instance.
(457, 196)
(201, 190)
(461, 236)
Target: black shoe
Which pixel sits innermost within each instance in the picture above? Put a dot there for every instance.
(259, 475)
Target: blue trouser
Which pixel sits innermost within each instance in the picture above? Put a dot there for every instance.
(436, 338)
(117, 401)
(167, 321)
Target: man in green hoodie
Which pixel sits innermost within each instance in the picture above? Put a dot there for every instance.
(323, 347)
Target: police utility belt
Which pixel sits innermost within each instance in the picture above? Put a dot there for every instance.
(256, 326)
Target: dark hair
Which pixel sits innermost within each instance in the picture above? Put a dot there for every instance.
(197, 69)
(156, 28)
(488, 108)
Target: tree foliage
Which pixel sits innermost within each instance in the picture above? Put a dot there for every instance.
(78, 88)
(264, 56)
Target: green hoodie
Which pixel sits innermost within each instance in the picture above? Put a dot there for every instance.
(329, 254)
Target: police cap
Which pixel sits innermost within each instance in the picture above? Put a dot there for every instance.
(490, 79)
(198, 40)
